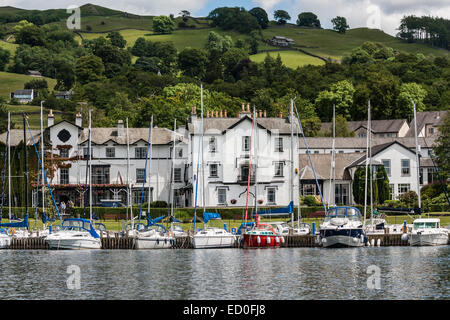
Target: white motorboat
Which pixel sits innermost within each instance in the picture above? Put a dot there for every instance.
(5, 239)
(428, 232)
(343, 227)
(282, 228)
(154, 237)
(212, 237)
(74, 234)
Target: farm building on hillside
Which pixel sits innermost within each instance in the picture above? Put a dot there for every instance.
(34, 73)
(281, 41)
(63, 94)
(24, 96)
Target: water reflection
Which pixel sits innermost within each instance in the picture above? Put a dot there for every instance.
(300, 273)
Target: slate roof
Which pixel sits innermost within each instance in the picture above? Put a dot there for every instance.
(424, 118)
(378, 126)
(322, 165)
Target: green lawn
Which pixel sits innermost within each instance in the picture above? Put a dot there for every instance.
(328, 43)
(14, 81)
(291, 59)
(33, 119)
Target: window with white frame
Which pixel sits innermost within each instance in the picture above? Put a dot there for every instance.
(213, 170)
(85, 152)
(245, 143)
(110, 152)
(221, 195)
(403, 187)
(177, 175)
(279, 144)
(212, 145)
(387, 166)
(406, 169)
(279, 169)
(140, 175)
(392, 191)
(271, 198)
(64, 153)
(140, 152)
(64, 176)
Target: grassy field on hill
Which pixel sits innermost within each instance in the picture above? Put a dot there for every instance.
(328, 43)
(13, 81)
(33, 119)
(291, 59)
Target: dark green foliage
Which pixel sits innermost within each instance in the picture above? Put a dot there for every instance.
(116, 39)
(234, 19)
(441, 148)
(340, 24)
(308, 19)
(261, 16)
(163, 24)
(4, 58)
(36, 84)
(427, 29)
(192, 62)
(281, 16)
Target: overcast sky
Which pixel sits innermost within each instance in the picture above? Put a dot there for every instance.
(382, 14)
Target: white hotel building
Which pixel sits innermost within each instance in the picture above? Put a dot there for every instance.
(226, 157)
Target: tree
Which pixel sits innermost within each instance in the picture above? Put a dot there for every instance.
(116, 39)
(185, 15)
(308, 19)
(281, 16)
(163, 24)
(36, 84)
(410, 92)
(230, 60)
(139, 48)
(235, 18)
(340, 24)
(441, 149)
(341, 95)
(193, 62)
(261, 16)
(4, 58)
(382, 180)
(359, 184)
(89, 68)
(31, 35)
(217, 42)
(3, 116)
(150, 64)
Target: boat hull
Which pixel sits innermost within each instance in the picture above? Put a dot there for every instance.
(154, 242)
(5, 242)
(433, 239)
(74, 244)
(342, 238)
(265, 241)
(204, 242)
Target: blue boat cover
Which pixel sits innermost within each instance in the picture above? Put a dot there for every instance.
(45, 219)
(21, 224)
(209, 216)
(151, 221)
(278, 211)
(94, 216)
(173, 219)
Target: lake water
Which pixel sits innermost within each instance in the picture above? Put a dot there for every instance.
(220, 274)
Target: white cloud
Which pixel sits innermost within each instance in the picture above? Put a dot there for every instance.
(267, 5)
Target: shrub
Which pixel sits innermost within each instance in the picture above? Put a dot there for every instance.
(409, 199)
(310, 201)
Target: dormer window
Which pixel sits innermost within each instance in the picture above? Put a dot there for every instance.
(64, 153)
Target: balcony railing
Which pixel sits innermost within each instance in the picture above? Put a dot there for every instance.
(243, 179)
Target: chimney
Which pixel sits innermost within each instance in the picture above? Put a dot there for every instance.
(243, 107)
(194, 112)
(221, 113)
(50, 118)
(239, 115)
(78, 121)
(207, 113)
(217, 114)
(120, 128)
(260, 113)
(281, 114)
(265, 114)
(225, 115)
(248, 107)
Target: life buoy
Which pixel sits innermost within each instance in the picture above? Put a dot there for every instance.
(258, 240)
(282, 239)
(11, 231)
(277, 239)
(268, 240)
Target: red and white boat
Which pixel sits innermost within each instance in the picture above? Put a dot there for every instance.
(262, 235)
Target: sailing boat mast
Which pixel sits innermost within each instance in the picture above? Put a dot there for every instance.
(249, 173)
(198, 158)
(417, 159)
(128, 180)
(90, 167)
(9, 166)
(367, 162)
(333, 161)
(255, 146)
(172, 189)
(42, 162)
(26, 164)
(202, 145)
(291, 158)
(369, 125)
(149, 167)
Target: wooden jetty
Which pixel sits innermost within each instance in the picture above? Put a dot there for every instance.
(114, 240)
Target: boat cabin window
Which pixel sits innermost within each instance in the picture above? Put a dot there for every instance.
(350, 213)
(425, 225)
